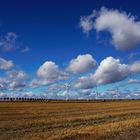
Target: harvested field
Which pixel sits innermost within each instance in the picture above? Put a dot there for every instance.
(110, 120)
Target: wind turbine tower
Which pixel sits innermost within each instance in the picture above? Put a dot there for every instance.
(97, 94)
(67, 86)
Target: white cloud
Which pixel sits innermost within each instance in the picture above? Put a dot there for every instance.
(34, 83)
(81, 64)
(10, 42)
(17, 74)
(14, 80)
(49, 72)
(110, 70)
(27, 94)
(135, 67)
(133, 81)
(85, 82)
(124, 28)
(5, 65)
(86, 23)
(21, 94)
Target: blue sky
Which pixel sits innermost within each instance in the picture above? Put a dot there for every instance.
(48, 35)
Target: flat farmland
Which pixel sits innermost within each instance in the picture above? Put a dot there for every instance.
(109, 120)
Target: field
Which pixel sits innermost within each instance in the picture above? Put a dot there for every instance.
(110, 120)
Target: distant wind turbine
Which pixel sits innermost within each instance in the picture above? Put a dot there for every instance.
(67, 86)
(97, 94)
(115, 94)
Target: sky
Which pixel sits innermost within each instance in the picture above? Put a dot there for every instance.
(70, 49)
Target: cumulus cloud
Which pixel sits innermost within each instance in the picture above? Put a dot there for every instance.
(5, 65)
(109, 71)
(81, 64)
(14, 80)
(85, 82)
(124, 28)
(49, 72)
(17, 74)
(135, 67)
(34, 83)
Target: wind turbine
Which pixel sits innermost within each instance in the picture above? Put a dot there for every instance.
(87, 99)
(53, 91)
(45, 94)
(67, 86)
(115, 93)
(97, 94)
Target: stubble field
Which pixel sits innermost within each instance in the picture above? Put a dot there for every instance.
(110, 120)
